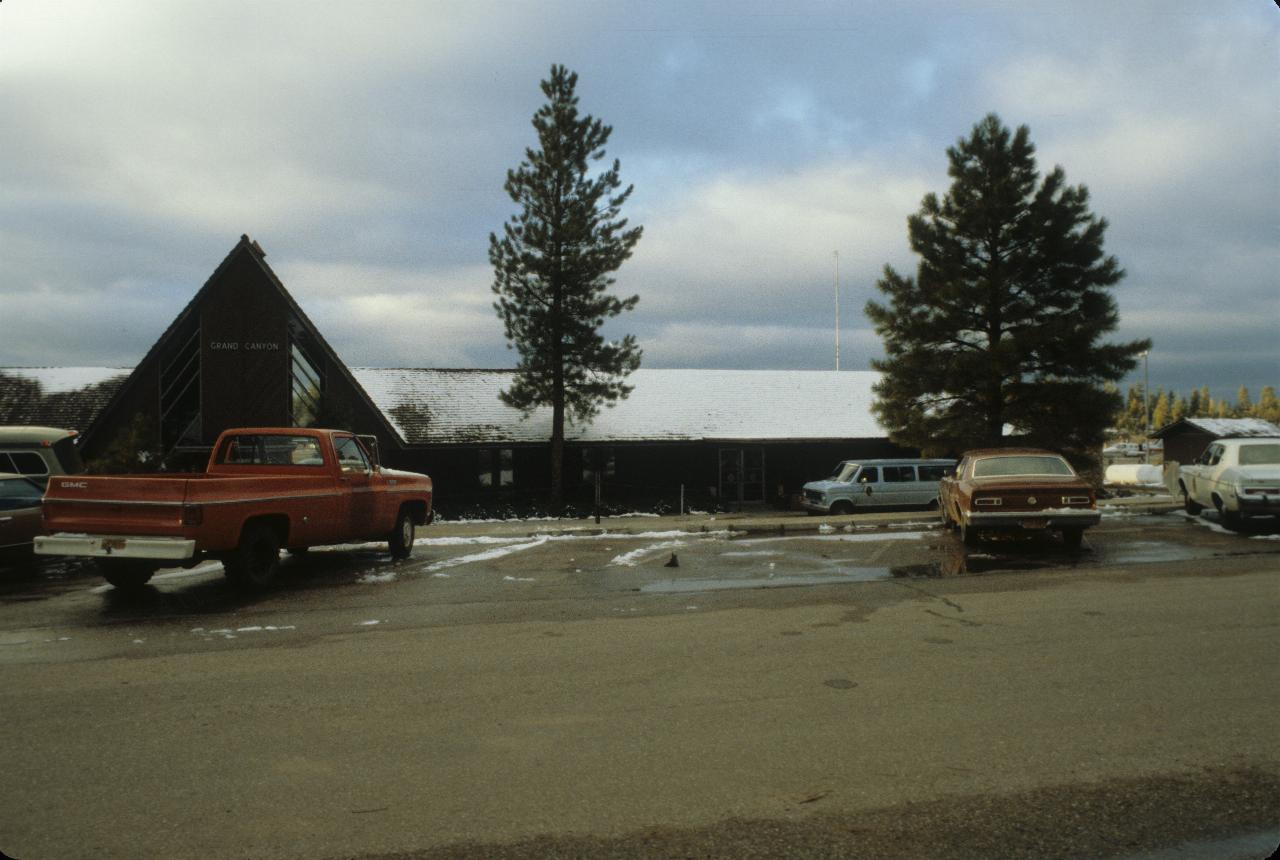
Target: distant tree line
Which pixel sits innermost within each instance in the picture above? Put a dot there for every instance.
(1166, 407)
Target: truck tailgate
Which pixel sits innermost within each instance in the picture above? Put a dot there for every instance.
(116, 504)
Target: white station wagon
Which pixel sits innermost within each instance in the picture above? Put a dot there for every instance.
(1238, 477)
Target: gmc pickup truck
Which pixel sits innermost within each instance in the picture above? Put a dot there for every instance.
(265, 489)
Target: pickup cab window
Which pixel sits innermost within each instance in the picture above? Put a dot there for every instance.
(351, 457)
(274, 450)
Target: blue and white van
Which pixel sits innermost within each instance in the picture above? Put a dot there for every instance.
(866, 484)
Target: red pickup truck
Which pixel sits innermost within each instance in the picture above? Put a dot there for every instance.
(265, 489)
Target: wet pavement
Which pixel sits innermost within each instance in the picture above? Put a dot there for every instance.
(571, 684)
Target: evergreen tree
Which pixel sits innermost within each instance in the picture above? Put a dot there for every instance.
(1268, 408)
(1193, 403)
(1160, 414)
(1002, 325)
(553, 267)
(1244, 406)
(1177, 406)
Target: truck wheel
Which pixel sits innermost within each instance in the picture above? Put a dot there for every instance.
(1071, 538)
(125, 574)
(968, 534)
(254, 562)
(401, 538)
(842, 508)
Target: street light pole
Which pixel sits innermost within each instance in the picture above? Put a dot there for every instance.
(1146, 413)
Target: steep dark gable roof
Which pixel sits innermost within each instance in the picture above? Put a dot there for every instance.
(255, 252)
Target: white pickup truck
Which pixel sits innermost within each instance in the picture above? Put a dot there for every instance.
(1238, 477)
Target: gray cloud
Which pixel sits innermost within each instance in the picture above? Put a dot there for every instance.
(365, 148)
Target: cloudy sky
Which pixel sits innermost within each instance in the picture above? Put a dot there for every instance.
(364, 146)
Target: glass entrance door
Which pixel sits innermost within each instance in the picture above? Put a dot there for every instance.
(741, 476)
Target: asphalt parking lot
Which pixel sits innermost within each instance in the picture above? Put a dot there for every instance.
(744, 685)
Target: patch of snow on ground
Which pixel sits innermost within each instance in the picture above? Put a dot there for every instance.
(519, 579)
(487, 555)
(631, 559)
(841, 538)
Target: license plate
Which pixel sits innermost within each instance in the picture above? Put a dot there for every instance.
(1035, 524)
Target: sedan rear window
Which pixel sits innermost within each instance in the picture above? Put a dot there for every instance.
(1022, 464)
(1259, 455)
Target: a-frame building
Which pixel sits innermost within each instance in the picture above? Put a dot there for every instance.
(241, 353)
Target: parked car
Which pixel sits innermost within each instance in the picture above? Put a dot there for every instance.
(862, 484)
(19, 515)
(264, 489)
(1237, 477)
(1017, 490)
(39, 452)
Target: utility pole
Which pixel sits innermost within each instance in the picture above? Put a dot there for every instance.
(1146, 414)
(837, 287)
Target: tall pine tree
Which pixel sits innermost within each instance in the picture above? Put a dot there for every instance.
(1002, 326)
(553, 266)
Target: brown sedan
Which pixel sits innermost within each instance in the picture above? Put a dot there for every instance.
(19, 515)
(1017, 490)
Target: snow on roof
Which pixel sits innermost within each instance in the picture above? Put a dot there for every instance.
(58, 380)
(1228, 427)
(429, 406)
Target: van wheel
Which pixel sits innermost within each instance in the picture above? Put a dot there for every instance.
(842, 508)
(125, 574)
(255, 561)
(401, 539)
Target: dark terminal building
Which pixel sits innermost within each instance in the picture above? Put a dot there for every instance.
(243, 353)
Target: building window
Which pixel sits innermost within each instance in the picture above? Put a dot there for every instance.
(180, 395)
(307, 387)
(496, 468)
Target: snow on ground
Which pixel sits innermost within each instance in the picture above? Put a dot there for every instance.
(842, 538)
(631, 559)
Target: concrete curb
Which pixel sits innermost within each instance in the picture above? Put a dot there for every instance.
(748, 522)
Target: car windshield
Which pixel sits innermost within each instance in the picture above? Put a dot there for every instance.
(1021, 464)
(1260, 455)
(844, 473)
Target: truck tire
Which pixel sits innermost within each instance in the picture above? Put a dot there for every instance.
(842, 508)
(968, 534)
(126, 574)
(1072, 537)
(254, 562)
(401, 537)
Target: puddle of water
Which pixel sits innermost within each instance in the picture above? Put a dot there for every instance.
(1145, 552)
(681, 586)
(1248, 847)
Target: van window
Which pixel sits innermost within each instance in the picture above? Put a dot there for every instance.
(934, 473)
(869, 475)
(899, 474)
(23, 462)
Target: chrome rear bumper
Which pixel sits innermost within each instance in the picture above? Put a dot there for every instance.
(113, 546)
